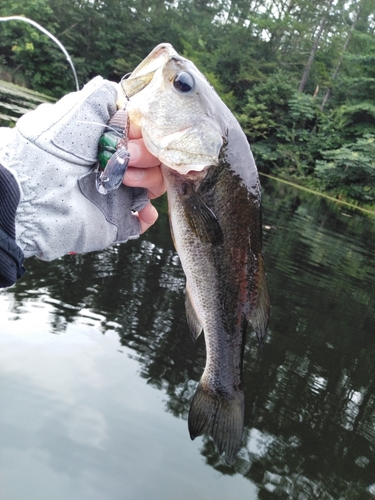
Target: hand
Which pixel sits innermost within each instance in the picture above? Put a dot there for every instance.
(144, 171)
(52, 151)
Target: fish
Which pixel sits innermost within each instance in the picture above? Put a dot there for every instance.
(214, 204)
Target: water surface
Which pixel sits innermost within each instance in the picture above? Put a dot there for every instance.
(98, 370)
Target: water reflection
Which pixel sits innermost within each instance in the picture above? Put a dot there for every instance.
(310, 394)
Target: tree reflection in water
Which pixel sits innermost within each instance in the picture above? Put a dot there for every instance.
(310, 395)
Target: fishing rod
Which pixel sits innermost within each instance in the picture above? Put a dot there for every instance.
(52, 37)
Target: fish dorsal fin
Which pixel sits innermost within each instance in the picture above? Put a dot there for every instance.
(194, 324)
(202, 220)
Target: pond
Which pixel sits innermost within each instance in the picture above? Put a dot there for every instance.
(98, 370)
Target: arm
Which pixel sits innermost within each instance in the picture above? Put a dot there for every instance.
(48, 154)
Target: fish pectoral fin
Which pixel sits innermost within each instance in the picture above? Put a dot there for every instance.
(202, 220)
(259, 317)
(192, 320)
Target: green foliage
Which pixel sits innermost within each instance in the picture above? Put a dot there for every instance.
(350, 169)
(254, 54)
(204, 64)
(356, 119)
(281, 124)
(266, 106)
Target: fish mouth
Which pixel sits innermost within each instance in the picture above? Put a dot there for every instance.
(145, 71)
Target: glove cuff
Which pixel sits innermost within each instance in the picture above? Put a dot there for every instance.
(11, 256)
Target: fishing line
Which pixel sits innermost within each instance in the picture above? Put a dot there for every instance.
(52, 37)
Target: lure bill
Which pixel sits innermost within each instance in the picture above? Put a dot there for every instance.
(113, 158)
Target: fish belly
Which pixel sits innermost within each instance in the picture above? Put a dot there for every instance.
(217, 408)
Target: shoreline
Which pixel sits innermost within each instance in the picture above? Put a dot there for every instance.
(324, 195)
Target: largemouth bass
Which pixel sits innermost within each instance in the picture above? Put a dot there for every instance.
(214, 200)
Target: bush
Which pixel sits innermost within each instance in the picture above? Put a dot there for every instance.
(350, 169)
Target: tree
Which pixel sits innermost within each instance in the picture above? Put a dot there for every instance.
(339, 62)
(318, 35)
(244, 48)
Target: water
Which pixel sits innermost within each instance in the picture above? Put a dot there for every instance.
(98, 370)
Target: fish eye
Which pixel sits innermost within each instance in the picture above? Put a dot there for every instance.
(183, 82)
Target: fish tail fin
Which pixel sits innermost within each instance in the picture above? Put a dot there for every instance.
(260, 315)
(220, 416)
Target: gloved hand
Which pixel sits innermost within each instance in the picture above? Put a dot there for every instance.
(50, 152)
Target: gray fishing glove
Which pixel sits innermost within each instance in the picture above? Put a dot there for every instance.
(51, 152)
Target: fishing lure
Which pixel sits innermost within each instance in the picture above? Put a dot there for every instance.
(113, 157)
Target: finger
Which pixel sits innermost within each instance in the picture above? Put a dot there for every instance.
(140, 155)
(149, 178)
(135, 131)
(147, 217)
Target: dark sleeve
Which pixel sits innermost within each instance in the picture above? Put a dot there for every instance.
(11, 256)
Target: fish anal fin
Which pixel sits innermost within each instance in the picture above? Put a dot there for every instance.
(192, 320)
(202, 220)
(219, 416)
